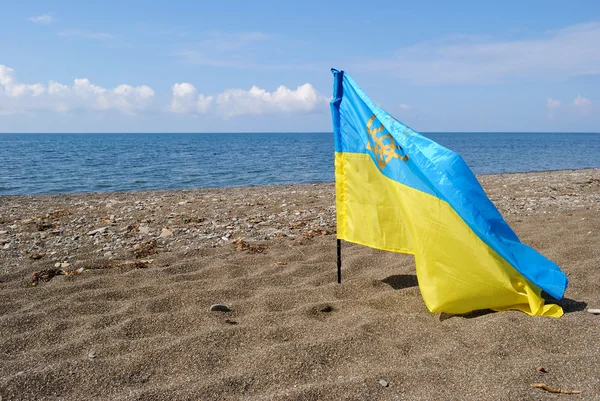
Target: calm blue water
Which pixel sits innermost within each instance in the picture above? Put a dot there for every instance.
(68, 163)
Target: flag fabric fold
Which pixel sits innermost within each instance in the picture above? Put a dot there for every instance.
(399, 191)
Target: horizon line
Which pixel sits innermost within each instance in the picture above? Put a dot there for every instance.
(289, 132)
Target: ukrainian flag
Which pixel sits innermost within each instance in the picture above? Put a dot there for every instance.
(399, 191)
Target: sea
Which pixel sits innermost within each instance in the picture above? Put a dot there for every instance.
(74, 163)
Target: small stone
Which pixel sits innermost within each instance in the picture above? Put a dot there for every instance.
(92, 354)
(594, 311)
(384, 383)
(37, 256)
(107, 254)
(7, 246)
(165, 233)
(219, 308)
(64, 265)
(57, 264)
(144, 230)
(12, 227)
(182, 203)
(98, 231)
(541, 369)
(3, 232)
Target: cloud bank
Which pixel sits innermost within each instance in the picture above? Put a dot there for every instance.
(239, 102)
(83, 95)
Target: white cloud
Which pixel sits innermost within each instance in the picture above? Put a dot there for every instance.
(581, 102)
(10, 88)
(184, 98)
(552, 104)
(404, 106)
(84, 88)
(183, 89)
(237, 102)
(204, 103)
(83, 95)
(17, 97)
(581, 106)
(87, 34)
(7, 75)
(56, 88)
(572, 51)
(42, 19)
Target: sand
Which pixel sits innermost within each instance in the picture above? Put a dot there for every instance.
(132, 320)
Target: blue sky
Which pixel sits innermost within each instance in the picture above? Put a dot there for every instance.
(196, 66)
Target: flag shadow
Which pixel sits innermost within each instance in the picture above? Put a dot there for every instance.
(568, 305)
(469, 315)
(400, 281)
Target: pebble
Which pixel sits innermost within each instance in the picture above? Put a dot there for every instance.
(57, 264)
(384, 383)
(92, 354)
(219, 308)
(594, 311)
(144, 229)
(166, 233)
(98, 231)
(7, 246)
(64, 265)
(3, 232)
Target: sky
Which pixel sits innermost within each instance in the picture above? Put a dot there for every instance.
(264, 66)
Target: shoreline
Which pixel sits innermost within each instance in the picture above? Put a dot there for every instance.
(479, 176)
(132, 319)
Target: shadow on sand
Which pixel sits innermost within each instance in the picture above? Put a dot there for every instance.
(568, 305)
(400, 281)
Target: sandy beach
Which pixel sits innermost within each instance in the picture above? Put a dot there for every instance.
(107, 296)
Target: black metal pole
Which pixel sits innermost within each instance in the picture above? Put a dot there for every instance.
(339, 260)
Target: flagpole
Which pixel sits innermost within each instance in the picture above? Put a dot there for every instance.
(339, 260)
(338, 92)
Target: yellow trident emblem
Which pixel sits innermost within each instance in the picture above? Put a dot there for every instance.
(384, 152)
